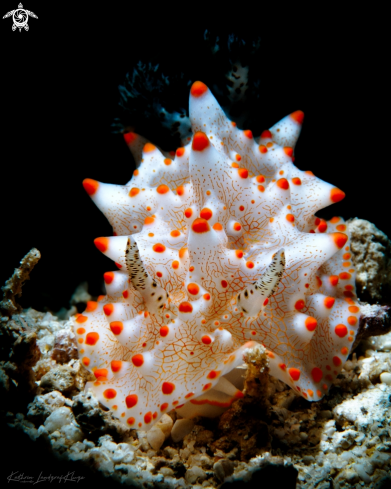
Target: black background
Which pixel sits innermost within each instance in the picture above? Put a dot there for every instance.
(59, 97)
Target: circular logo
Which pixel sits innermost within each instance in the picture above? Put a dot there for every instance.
(20, 18)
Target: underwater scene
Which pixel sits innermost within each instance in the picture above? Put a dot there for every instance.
(197, 270)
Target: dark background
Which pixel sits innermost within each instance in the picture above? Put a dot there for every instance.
(59, 97)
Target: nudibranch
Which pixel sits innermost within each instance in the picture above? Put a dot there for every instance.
(217, 248)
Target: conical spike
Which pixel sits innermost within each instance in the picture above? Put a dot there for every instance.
(206, 114)
(310, 194)
(117, 202)
(287, 131)
(113, 247)
(136, 144)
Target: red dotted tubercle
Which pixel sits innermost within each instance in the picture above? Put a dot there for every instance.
(198, 88)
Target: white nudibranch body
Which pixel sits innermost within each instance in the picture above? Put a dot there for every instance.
(217, 248)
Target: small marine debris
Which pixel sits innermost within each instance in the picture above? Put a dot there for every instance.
(13, 286)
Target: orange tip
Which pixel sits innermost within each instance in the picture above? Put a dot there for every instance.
(108, 277)
(329, 302)
(198, 88)
(90, 186)
(108, 309)
(116, 327)
(91, 306)
(149, 147)
(298, 116)
(206, 213)
(266, 134)
(336, 194)
(200, 141)
(288, 150)
(130, 137)
(102, 244)
(311, 323)
(339, 239)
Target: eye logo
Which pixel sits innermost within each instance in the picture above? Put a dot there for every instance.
(20, 17)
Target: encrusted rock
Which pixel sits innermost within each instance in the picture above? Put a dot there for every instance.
(58, 418)
(195, 474)
(201, 460)
(374, 320)
(19, 352)
(385, 377)
(204, 438)
(109, 453)
(372, 259)
(355, 411)
(265, 471)
(188, 444)
(62, 428)
(170, 452)
(18, 343)
(64, 348)
(378, 343)
(44, 405)
(19, 422)
(82, 375)
(155, 437)
(374, 364)
(93, 420)
(223, 468)
(344, 439)
(42, 367)
(172, 460)
(61, 378)
(167, 472)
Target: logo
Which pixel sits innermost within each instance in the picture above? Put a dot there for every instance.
(20, 17)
